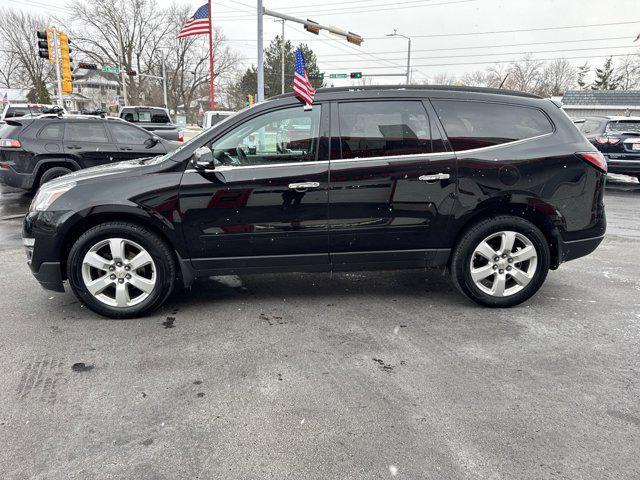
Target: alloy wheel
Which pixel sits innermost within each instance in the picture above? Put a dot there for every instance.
(119, 272)
(503, 263)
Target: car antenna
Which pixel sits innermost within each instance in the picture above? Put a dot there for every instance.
(503, 80)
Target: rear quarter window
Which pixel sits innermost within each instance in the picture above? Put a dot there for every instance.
(53, 131)
(473, 124)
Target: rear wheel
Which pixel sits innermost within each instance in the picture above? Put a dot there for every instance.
(501, 261)
(121, 270)
(51, 173)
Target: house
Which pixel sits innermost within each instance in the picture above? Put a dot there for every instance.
(585, 103)
(92, 89)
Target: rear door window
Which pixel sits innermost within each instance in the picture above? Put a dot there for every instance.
(471, 124)
(384, 129)
(123, 133)
(52, 131)
(86, 132)
(145, 115)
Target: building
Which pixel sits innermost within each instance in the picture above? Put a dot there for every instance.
(585, 103)
(92, 89)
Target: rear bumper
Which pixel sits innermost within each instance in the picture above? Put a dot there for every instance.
(11, 178)
(629, 165)
(570, 250)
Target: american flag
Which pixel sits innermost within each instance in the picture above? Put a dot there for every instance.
(5, 99)
(301, 86)
(197, 24)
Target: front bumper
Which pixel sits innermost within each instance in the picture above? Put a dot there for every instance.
(45, 231)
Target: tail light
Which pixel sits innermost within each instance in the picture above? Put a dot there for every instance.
(180, 136)
(607, 140)
(594, 158)
(10, 143)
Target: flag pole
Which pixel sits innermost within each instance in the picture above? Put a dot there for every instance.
(212, 93)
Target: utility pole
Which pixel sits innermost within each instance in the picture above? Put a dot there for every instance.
(260, 93)
(282, 54)
(164, 84)
(396, 34)
(212, 87)
(121, 66)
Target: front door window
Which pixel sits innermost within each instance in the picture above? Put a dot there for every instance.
(283, 136)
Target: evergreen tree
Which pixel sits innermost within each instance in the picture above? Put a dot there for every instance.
(606, 78)
(583, 71)
(248, 83)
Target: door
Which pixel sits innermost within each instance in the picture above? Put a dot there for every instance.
(264, 205)
(392, 185)
(131, 140)
(88, 141)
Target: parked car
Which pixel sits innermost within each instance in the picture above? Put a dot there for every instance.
(154, 119)
(14, 110)
(386, 178)
(36, 149)
(211, 117)
(618, 138)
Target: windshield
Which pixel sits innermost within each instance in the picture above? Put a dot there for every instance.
(632, 126)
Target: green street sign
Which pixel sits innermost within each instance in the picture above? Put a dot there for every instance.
(338, 75)
(110, 69)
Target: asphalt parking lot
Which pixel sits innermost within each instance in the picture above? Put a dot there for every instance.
(358, 376)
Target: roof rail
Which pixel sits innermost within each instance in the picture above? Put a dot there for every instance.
(453, 88)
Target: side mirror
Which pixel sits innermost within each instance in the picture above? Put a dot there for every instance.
(151, 142)
(202, 159)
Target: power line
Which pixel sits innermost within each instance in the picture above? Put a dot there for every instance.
(368, 10)
(497, 54)
(587, 57)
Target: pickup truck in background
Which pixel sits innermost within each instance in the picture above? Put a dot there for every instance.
(211, 117)
(153, 119)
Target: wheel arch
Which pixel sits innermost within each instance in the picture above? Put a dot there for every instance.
(46, 163)
(89, 221)
(539, 213)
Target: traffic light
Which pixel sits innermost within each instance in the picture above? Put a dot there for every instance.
(65, 63)
(45, 44)
(312, 28)
(356, 74)
(354, 38)
(88, 66)
(249, 101)
(132, 73)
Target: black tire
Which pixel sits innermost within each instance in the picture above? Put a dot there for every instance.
(51, 173)
(160, 252)
(471, 238)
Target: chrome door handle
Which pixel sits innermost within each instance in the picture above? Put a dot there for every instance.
(434, 177)
(304, 185)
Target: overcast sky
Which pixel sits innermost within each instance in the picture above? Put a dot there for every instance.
(448, 35)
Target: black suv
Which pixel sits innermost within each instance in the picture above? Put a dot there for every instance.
(498, 186)
(618, 138)
(37, 149)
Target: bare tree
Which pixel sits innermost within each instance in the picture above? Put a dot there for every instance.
(25, 67)
(443, 78)
(9, 67)
(628, 70)
(479, 78)
(557, 77)
(525, 74)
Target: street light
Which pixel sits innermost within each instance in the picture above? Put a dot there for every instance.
(396, 34)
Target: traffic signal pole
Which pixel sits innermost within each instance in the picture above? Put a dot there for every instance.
(309, 25)
(56, 48)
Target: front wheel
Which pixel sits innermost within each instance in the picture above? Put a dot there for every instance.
(121, 270)
(501, 261)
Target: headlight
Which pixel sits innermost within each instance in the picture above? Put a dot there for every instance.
(46, 196)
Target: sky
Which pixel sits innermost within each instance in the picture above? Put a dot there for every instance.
(448, 36)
